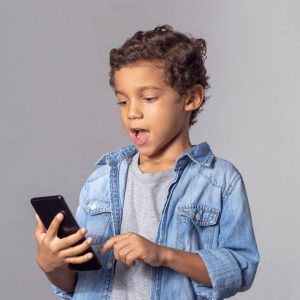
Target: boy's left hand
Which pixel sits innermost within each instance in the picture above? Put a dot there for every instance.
(130, 247)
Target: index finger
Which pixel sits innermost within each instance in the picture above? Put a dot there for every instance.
(53, 228)
(110, 242)
(40, 228)
(39, 224)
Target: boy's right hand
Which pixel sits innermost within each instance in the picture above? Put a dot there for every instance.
(54, 253)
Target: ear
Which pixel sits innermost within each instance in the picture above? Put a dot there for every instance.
(194, 98)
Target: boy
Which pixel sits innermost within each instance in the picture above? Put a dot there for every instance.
(171, 221)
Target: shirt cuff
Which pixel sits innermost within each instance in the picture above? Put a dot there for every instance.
(224, 272)
(61, 293)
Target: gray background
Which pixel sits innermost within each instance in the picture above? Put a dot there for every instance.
(58, 115)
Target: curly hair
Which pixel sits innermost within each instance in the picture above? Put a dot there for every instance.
(180, 55)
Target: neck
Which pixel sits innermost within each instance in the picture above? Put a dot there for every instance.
(165, 159)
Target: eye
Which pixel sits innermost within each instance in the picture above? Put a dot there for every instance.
(149, 99)
(122, 103)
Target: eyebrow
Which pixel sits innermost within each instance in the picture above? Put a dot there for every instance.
(141, 89)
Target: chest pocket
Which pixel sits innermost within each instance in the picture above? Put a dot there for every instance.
(196, 226)
(98, 213)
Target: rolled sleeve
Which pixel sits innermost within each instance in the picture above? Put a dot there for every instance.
(58, 292)
(224, 272)
(232, 265)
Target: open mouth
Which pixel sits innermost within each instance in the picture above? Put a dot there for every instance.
(139, 136)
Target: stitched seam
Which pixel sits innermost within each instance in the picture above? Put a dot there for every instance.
(210, 180)
(231, 186)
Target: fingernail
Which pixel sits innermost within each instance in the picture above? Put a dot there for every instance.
(89, 240)
(83, 230)
(59, 216)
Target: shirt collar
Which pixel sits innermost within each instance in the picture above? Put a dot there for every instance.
(200, 154)
(117, 156)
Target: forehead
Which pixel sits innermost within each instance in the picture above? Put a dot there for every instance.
(139, 74)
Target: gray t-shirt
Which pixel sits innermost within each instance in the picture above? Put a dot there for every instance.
(145, 197)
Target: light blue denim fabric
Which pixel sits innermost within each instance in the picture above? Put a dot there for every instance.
(206, 212)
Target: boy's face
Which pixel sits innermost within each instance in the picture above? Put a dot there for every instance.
(152, 112)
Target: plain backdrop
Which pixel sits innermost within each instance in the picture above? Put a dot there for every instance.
(58, 116)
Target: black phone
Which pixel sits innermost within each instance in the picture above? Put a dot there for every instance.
(47, 208)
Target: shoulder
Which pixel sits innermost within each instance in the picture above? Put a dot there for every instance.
(221, 174)
(96, 185)
(219, 170)
(99, 181)
(98, 173)
(225, 173)
(108, 159)
(223, 168)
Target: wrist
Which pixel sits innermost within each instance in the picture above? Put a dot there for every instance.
(166, 256)
(52, 271)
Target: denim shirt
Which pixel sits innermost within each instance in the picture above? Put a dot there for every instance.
(206, 212)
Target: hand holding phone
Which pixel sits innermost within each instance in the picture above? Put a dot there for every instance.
(59, 238)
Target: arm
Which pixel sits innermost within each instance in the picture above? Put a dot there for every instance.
(64, 278)
(54, 253)
(232, 265)
(190, 264)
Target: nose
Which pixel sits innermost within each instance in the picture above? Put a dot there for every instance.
(134, 111)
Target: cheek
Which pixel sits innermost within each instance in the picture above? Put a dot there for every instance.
(171, 119)
(123, 116)
(168, 125)
(161, 112)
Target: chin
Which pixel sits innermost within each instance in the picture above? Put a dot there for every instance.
(149, 151)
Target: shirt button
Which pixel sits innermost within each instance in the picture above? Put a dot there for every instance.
(198, 217)
(93, 206)
(109, 265)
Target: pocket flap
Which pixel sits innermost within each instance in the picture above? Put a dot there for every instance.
(97, 206)
(198, 214)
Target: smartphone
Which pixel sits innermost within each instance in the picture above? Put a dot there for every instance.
(47, 208)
